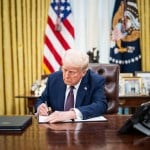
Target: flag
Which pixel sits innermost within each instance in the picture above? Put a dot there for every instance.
(59, 35)
(125, 37)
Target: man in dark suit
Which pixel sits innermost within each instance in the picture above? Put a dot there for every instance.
(88, 90)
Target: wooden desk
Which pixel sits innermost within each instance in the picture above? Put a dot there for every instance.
(76, 136)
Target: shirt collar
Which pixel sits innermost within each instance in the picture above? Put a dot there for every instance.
(75, 86)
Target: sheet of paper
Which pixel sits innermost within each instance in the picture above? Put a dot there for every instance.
(43, 119)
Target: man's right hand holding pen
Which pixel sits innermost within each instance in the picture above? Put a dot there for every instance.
(56, 116)
(43, 109)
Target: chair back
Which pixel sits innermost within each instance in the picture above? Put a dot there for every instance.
(111, 74)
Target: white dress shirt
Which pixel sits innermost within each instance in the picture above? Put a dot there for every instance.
(75, 90)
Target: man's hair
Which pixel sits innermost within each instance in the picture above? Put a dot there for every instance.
(76, 58)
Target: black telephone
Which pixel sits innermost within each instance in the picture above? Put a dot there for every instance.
(140, 120)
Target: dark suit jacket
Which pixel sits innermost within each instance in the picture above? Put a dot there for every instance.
(90, 99)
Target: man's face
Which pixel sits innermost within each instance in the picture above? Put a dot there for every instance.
(72, 75)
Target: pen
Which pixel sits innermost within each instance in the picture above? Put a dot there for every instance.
(49, 108)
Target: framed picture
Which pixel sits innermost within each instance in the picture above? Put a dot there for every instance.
(121, 75)
(145, 76)
(121, 82)
(132, 86)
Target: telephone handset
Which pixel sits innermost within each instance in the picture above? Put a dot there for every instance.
(140, 120)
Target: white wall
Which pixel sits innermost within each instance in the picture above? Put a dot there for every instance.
(92, 20)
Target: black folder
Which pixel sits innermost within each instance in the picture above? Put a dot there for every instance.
(14, 123)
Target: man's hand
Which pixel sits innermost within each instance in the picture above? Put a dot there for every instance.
(60, 116)
(42, 110)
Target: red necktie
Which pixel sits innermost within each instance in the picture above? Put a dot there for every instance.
(70, 99)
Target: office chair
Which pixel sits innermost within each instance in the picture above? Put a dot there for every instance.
(111, 73)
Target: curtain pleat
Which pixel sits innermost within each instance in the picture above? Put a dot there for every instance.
(7, 56)
(14, 55)
(2, 106)
(147, 35)
(20, 52)
(144, 12)
(25, 42)
(22, 28)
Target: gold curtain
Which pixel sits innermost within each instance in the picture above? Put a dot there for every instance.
(22, 28)
(144, 13)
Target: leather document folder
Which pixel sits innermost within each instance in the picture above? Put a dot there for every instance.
(14, 123)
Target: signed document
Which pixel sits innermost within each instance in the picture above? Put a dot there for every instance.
(42, 119)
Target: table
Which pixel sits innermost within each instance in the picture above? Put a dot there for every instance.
(76, 136)
(31, 99)
(132, 102)
(124, 101)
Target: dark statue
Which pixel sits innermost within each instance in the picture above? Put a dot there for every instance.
(93, 55)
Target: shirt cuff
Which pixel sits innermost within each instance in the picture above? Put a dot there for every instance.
(78, 113)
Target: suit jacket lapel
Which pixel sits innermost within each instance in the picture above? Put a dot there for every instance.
(83, 89)
(61, 94)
